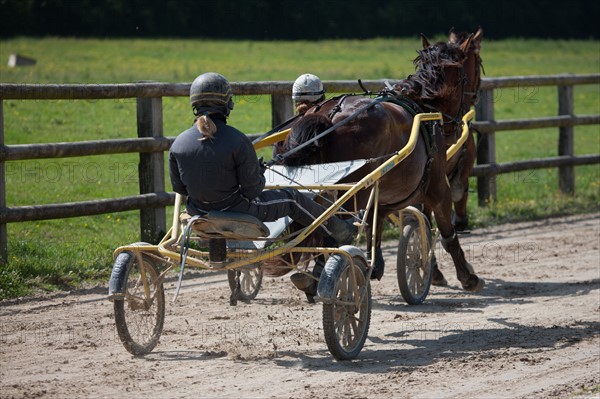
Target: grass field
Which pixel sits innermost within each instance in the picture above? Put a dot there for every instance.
(65, 253)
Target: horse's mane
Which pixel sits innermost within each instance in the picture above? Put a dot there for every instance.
(305, 129)
(428, 82)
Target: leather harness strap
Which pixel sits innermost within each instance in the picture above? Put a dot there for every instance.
(426, 128)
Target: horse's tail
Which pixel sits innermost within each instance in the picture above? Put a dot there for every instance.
(305, 129)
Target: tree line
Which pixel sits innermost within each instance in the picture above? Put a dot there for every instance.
(297, 19)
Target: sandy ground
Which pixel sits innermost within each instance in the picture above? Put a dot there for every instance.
(533, 332)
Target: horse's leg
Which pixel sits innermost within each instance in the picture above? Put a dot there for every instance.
(379, 265)
(464, 271)
(439, 198)
(437, 278)
(461, 218)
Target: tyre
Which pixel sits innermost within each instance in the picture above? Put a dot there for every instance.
(250, 281)
(414, 272)
(140, 314)
(346, 324)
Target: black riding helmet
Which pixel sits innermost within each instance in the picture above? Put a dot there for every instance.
(211, 93)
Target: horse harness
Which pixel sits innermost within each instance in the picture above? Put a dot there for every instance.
(405, 102)
(427, 130)
(457, 120)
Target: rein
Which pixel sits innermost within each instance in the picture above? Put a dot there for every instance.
(281, 157)
(277, 128)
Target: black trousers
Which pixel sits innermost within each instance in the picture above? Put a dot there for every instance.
(274, 204)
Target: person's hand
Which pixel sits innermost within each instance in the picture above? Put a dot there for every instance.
(262, 165)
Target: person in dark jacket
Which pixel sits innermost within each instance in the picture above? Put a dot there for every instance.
(216, 167)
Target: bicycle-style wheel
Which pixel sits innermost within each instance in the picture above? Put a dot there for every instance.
(347, 316)
(250, 278)
(414, 272)
(140, 312)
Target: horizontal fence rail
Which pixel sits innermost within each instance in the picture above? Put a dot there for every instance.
(151, 144)
(77, 149)
(86, 208)
(538, 163)
(535, 123)
(18, 91)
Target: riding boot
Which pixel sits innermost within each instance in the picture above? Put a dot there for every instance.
(306, 283)
(342, 231)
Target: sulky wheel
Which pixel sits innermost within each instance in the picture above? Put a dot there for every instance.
(413, 270)
(140, 313)
(250, 280)
(346, 306)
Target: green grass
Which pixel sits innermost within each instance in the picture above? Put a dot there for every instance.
(66, 253)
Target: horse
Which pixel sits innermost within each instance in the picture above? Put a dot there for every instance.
(460, 165)
(383, 128)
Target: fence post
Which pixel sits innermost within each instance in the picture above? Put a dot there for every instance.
(486, 148)
(282, 108)
(153, 221)
(3, 231)
(566, 174)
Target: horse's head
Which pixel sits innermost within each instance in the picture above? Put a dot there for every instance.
(437, 76)
(447, 75)
(471, 45)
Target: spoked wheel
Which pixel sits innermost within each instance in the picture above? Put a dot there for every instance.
(413, 270)
(140, 315)
(250, 278)
(347, 316)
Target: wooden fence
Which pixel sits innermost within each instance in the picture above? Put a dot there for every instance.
(151, 144)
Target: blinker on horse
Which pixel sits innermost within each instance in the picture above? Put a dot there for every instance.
(383, 128)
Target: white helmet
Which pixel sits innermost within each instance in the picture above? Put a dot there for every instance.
(308, 87)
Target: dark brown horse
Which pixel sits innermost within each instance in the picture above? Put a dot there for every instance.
(384, 128)
(460, 166)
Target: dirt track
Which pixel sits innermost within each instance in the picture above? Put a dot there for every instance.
(534, 332)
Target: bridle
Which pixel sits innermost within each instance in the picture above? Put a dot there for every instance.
(456, 122)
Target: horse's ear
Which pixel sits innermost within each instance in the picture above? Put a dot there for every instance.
(424, 41)
(477, 37)
(465, 45)
(452, 37)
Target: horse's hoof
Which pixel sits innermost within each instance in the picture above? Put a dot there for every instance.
(474, 284)
(379, 265)
(440, 282)
(461, 225)
(377, 272)
(438, 279)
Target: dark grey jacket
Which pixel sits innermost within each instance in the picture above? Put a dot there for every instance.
(215, 173)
